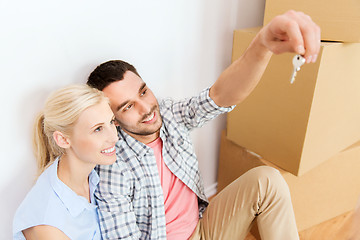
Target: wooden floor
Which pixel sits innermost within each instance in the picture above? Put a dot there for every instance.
(343, 227)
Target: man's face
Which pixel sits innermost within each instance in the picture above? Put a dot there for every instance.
(135, 107)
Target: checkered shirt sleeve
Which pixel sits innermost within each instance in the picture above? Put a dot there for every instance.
(196, 111)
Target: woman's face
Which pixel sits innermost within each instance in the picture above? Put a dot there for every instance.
(94, 135)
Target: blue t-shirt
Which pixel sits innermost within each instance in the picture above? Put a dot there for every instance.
(51, 202)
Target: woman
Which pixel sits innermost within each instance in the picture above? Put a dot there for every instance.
(74, 132)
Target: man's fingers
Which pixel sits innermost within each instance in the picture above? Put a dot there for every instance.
(294, 32)
(318, 40)
(310, 34)
(284, 31)
(295, 36)
(280, 47)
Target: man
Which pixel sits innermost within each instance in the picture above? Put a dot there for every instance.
(154, 190)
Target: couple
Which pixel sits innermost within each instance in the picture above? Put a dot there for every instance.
(147, 183)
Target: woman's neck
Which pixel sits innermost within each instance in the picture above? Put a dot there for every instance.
(75, 174)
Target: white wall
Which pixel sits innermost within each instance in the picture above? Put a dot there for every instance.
(179, 47)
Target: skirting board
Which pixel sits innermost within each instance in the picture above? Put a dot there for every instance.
(211, 190)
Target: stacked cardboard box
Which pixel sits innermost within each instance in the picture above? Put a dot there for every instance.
(338, 20)
(309, 130)
(299, 126)
(328, 190)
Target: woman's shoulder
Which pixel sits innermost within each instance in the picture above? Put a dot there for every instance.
(39, 195)
(40, 204)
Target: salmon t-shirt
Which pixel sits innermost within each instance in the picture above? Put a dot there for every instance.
(181, 204)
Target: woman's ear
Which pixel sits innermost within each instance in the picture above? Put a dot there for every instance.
(61, 140)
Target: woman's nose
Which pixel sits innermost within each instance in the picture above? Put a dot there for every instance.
(113, 135)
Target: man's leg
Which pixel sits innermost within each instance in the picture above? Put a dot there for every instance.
(261, 194)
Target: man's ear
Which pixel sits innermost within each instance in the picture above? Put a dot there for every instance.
(61, 140)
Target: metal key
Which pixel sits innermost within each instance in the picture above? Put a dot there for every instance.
(297, 61)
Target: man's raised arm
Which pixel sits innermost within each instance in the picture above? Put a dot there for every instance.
(290, 32)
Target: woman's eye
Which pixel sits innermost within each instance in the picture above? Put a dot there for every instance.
(98, 129)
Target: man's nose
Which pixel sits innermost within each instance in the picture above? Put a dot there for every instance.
(144, 107)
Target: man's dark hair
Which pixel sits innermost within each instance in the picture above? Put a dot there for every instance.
(109, 72)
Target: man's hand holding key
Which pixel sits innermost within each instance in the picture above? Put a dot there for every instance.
(292, 32)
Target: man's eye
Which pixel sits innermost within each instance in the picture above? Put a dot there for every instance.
(128, 107)
(143, 92)
(112, 121)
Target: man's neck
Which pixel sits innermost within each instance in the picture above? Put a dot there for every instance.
(145, 139)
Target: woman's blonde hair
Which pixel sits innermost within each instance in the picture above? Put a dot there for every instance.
(61, 111)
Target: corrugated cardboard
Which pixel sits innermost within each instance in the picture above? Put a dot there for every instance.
(325, 192)
(338, 20)
(298, 126)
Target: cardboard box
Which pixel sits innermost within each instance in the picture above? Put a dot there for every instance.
(234, 161)
(298, 126)
(325, 192)
(338, 20)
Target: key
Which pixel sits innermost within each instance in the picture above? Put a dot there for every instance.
(297, 61)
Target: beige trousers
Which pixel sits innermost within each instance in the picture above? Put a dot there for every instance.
(260, 194)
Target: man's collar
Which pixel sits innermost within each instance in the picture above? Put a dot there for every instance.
(137, 147)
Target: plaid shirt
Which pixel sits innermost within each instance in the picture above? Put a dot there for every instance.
(129, 195)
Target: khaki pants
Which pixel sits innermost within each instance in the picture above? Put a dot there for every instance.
(261, 194)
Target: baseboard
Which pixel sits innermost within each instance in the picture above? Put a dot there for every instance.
(211, 190)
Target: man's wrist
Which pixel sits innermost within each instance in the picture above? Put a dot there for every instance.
(258, 49)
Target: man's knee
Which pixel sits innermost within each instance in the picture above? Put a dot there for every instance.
(268, 178)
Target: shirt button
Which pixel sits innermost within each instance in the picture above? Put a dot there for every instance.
(180, 141)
